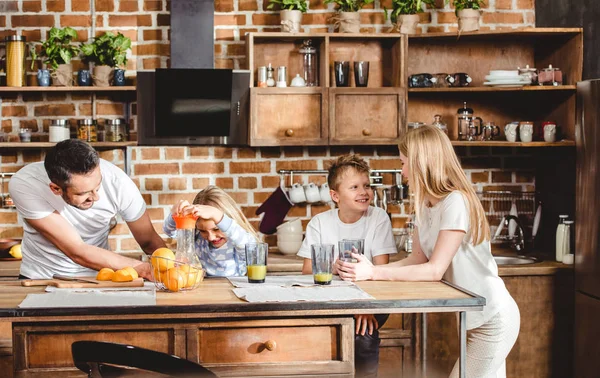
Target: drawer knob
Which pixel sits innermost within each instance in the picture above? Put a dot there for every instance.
(270, 345)
(366, 132)
(289, 132)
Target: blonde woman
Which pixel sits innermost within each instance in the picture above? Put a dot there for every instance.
(451, 241)
(221, 231)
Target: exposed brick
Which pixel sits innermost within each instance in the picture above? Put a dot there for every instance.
(250, 167)
(120, 229)
(114, 108)
(270, 181)
(501, 177)
(133, 20)
(246, 153)
(153, 5)
(480, 163)
(173, 198)
(175, 153)
(365, 151)
(104, 5)
(223, 5)
(446, 18)
(265, 19)
(151, 63)
(129, 244)
(336, 151)
(199, 152)
(128, 6)
(156, 214)
(75, 21)
(152, 35)
(8, 218)
(367, 18)
(244, 31)
(150, 153)
(318, 209)
(54, 110)
(296, 164)
(503, 18)
(163, 20)
(260, 197)
(32, 6)
(14, 111)
(31, 156)
(9, 158)
(230, 20)
(156, 169)
(297, 211)
(2, 21)
(12, 232)
(503, 4)
(293, 151)
(223, 152)
(385, 164)
(224, 35)
(239, 197)
(247, 5)
(247, 183)
(9, 6)
(249, 211)
(200, 183)
(32, 21)
(477, 177)
(224, 182)
(236, 49)
(202, 168)
(80, 5)
(177, 183)
(525, 177)
(318, 4)
(161, 49)
(435, 29)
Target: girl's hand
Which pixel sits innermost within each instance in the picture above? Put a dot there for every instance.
(364, 323)
(358, 271)
(180, 207)
(208, 212)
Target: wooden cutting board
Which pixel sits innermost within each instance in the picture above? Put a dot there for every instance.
(139, 282)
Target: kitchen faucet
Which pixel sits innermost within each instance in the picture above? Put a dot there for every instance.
(517, 241)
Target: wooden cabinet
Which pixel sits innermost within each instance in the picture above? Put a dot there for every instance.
(326, 115)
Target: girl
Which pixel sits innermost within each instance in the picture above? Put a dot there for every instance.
(451, 241)
(222, 231)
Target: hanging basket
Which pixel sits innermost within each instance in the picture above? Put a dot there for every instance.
(347, 22)
(102, 76)
(407, 23)
(468, 20)
(62, 76)
(291, 20)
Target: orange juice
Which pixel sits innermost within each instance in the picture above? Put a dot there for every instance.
(257, 273)
(323, 278)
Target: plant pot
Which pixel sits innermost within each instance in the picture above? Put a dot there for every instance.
(348, 22)
(468, 20)
(407, 23)
(62, 76)
(43, 78)
(290, 20)
(102, 76)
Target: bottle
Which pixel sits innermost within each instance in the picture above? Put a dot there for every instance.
(560, 235)
(566, 238)
(270, 79)
(309, 63)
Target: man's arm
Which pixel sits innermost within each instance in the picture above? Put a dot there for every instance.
(145, 235)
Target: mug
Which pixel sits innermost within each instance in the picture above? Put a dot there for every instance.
(119, 77)
(324, 193)
(297, 193)
(84, 78)
(489, 131)
(311, 191)
(550, 132)
(43, 77)
(510, 130)
(526, 131)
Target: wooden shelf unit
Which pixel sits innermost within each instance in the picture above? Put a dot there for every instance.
(479, 52)
(307, 116)
(68, 89)
(40, 145)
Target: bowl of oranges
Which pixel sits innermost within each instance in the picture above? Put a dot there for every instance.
(171, 275)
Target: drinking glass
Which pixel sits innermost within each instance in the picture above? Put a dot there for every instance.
(361, 73)
(341, 70)
(322, 263)
(348, 246)
(256, 261)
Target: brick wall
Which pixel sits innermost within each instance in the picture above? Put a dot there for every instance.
(166, 174)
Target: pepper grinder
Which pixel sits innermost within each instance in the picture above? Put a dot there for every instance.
(270, 79)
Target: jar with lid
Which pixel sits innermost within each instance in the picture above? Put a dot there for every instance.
(550, 76)
(59, 130)
(309, 63)
(529, 73)
(115, 130)
(437, 122)
(86, 130)
(415, 125)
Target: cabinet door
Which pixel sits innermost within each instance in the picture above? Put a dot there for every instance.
(288, 117)
(366, 115)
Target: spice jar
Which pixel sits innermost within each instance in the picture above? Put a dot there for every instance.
(262, 76)
(115, 130)
(86, 130)
(59, 130)
(550, 76)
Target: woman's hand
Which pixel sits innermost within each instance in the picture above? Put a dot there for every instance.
(364, 323)
(358, 271)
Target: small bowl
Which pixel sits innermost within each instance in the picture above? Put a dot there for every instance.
(293, 226)
(289, 238)
(289, 247)
(6, 245)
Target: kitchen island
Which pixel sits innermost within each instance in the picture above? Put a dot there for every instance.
(213, 327)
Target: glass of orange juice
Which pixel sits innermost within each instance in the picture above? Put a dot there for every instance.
(322, 263)
(256, 261)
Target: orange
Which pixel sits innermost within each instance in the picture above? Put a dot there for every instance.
(193, 275)
(122, 275)
(162, 264)
(157, 274)
(185, 221)
(133, 272)
(175, 279)
(105, 274)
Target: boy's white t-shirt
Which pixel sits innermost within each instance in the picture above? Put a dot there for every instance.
(473, 267)
(374, 227)
(32, 196)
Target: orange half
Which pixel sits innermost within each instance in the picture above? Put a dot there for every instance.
(185, 221)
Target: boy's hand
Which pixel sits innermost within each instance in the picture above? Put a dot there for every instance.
(358, 271)
(364, 323)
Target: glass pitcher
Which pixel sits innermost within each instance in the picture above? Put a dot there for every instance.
(186, 241)
(309, 63)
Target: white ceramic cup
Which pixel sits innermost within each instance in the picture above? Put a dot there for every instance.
(550, 133)
(526, 132)
(324, 193)
(510, 130)
(297, 193)
(312, 193)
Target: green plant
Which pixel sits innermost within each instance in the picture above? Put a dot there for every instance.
(349, 5)
(407, 7)
(109, 49)
(300, 5)
(466, 4)
(58, 48)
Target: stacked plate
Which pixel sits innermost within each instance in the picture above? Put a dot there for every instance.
(502, 78)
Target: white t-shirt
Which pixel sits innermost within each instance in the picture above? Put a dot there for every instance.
(31, 193)
(473, 267)
(374, 226)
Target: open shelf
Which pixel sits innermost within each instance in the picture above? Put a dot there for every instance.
(522, 32)
(30, 145)
(68, 89)
(531, 88)
(503, 143)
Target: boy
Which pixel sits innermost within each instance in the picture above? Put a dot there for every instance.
(354, 218)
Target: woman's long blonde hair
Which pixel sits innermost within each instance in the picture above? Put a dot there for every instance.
(216, 197)
(435, 172)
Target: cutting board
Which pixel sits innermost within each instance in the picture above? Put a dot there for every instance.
(139, 282)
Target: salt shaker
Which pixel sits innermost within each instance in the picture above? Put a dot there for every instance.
(270, 79)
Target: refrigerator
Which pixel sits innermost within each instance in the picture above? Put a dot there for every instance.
(587, 231)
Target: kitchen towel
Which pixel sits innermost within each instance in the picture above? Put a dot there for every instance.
(287, 281)
(261, 294)
(275, 208)
(90, 299)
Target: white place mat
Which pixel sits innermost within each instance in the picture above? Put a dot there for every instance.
(148, 286)
(287, 281)
(259, 293)
(90, 299)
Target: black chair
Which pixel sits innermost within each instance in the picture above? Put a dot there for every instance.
(101, 359)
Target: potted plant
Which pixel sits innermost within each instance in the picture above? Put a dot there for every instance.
(405, 14)
(57, 51)
(107, 52)
(468, 13)
(348, 19)
(291, 13)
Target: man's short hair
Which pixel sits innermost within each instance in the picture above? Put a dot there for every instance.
(340, 165)
(70, 157)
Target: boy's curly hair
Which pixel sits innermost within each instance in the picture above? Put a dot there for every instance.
(340, 165)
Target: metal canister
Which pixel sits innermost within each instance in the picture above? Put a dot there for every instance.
(59, 130)
(262, 76)
(282, 76)
(86, 130)
(116, 130)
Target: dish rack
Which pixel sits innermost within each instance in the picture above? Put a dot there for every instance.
(497, 204)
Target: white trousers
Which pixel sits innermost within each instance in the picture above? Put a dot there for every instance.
(489, 345)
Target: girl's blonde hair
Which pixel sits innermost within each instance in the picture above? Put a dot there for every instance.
(434, 171)
(216, 197)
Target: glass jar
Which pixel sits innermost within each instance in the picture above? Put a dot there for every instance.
(309, 63)
(86, 130)
(15, 60)
(415, 125)
(437, 122)
(529, 73)
(115, 130)
(59, 130)
(550, 76)
(465, 116)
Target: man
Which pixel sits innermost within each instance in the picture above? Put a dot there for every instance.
(67, 203)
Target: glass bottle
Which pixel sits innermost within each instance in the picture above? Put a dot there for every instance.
(567, 231)
(437, 122)
(309, 63)
(560, 237)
